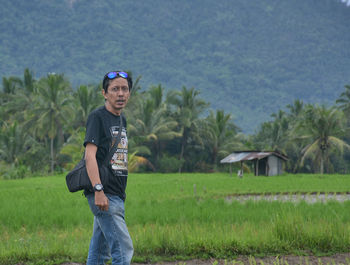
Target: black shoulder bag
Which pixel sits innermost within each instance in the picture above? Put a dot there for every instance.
(78, 178)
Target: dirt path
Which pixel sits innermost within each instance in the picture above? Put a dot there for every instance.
(337, 259)
(283, 260)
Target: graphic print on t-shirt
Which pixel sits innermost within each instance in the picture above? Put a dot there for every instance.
(119, 160)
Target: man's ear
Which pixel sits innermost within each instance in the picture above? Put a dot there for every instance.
(104, 94)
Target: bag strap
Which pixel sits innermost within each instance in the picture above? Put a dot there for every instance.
(116, 141)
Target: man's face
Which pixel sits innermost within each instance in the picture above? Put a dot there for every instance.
(117, 95)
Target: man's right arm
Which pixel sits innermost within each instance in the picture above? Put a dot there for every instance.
(101, 200)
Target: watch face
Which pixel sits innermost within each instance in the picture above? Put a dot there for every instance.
(98, 187)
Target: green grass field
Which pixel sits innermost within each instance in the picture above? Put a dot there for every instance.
(176, 216)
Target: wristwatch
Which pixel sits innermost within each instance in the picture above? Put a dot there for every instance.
(98, 187)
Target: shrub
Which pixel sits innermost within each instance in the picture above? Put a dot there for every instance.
(12, 171)
(169, 164)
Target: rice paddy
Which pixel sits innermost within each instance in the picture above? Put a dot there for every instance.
(180, 216)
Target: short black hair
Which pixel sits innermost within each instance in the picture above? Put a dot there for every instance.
(106, 82)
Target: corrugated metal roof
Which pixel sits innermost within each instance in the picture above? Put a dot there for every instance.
(244, 156)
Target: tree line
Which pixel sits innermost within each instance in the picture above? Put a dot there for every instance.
(42, 128)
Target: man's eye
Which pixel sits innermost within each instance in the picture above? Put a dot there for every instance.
(116, 89)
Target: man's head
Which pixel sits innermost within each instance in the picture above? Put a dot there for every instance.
(115, 74)
(116, 91)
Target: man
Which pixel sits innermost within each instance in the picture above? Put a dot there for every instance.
(110, 235)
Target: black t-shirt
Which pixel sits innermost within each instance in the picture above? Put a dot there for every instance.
(101, 126)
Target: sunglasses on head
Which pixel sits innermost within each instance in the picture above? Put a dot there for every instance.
(115, 74)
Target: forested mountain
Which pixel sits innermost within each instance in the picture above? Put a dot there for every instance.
(250, 58)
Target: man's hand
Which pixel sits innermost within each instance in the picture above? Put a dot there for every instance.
(101, 200)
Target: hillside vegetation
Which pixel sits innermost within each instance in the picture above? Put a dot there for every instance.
(249, 58)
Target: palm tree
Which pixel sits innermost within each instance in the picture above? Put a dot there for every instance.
(11, 84)
(344, 100)
(221, 135)
(188, 108)
(52, 110)
(7, 95)
(13, 143)
(86, 99)
(156, 96)
(279, 134)
(322, 127)
(21, 98)
(149, 124)
(273, 135)
(73, 148)
(28, 81)
(293, 145)
(280, 128)
(295, 109)
(343, 103)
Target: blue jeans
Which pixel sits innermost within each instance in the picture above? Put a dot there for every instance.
(110, 237)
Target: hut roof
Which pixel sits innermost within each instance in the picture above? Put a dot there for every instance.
(238, 156)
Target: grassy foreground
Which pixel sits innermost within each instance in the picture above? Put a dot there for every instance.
(176, 216)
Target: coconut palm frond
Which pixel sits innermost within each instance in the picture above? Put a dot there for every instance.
(310, 151)
(135, 161)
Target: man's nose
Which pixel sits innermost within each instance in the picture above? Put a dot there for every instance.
(120, 92)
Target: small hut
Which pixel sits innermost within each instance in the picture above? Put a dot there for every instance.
(266, 163)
